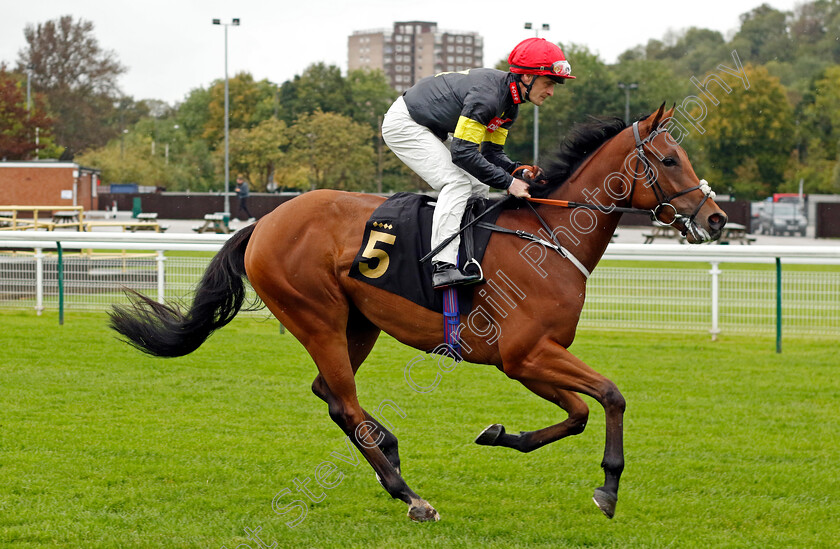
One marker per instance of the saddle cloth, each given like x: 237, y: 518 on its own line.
x: 399, y: 233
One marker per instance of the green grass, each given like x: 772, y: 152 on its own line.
x: 727, y: 445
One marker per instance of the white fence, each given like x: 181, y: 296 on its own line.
x: 729, y: 289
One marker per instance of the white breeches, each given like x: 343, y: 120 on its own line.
x: 430, y: 158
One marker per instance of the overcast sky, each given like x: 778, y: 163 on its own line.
x: 171, y: 47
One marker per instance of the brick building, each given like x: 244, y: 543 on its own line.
x: 48, y: 183
x: 413, y: 50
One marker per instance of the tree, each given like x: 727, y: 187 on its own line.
x: 335, y: 150
x: 155, y: 152
x: 764, y: 36
x: 194, y: 113
x: 821, y: 109
x: 258, y: 151
x: 819, y: 134
x: 19, y: 125
x: 128, y: 160
x: 754, y: 125
x: 657, y: 83
x: 77, y: 76
x: 370, y: 96
x: 815, y: 28
x: 249, y: 103
x: 689, y: 52
x: 320, y: 87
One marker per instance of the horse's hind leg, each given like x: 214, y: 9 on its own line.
x: 549, y: 365
x: 332, y: 354
x: 387, y: 442
x: 314, y: 308
x: 361, y: 337
x: 345, y: 411
x: 527, y: 441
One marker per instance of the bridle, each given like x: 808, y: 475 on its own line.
x: 662, y: 199
x: 651, y: 181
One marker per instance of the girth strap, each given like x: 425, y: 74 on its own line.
x: 534, y: 238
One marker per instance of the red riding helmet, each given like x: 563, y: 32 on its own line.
x: 540, y: 57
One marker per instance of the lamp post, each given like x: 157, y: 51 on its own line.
x: 121, y: 104
x: 545, y: 27
x: 627, y: 88
x: 234, y: 22
x: 166, y: 154
x: 29, y: 67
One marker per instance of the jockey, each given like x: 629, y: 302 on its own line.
x: 450, y: 129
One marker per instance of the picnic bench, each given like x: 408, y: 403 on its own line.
x: 66, y: 219
x: 127, y: 225
x: 148, y: 222
x: 735, y: 233
x: 663, y: 231
x: 143, y: 222
x: 218, y: 223
x: 58, y: 216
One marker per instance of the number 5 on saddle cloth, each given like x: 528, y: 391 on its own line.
x: 398, y: 235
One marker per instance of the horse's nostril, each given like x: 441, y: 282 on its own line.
x: 717, y: 221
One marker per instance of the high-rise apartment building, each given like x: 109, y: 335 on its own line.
x: 412, y: 50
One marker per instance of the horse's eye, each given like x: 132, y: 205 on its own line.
x: 669, y: 161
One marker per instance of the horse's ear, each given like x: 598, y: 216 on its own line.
x: 669, y: 114
x: 658, y: 116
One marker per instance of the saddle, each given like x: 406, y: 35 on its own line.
x: 398, y: 235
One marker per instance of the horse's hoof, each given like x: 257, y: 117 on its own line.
x: 605, y: 502
x: 423, y: 512
x: 490, y: 435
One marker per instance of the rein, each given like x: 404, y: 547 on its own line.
x: 600, y: 208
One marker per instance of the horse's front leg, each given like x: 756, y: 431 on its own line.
x: 550, y: 365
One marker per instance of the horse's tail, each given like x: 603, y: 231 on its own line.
x: 166, y: 331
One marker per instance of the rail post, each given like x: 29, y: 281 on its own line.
x: 161, y: 276
x: 39, y: 281
x: 60, y: 276
x: 778, y: 305
x: 715, y: 272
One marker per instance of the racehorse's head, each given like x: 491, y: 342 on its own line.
x: 669, y: 185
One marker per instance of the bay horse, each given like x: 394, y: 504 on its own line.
x: 297, y: 259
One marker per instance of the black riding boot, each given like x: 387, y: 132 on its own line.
x: 447, y: 274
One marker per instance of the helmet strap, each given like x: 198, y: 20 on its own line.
x: 528, y: 86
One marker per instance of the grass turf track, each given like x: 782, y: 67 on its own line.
x: 727, y: 445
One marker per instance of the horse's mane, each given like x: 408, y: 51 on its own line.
x: 583, y: 140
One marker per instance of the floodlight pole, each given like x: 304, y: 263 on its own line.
x: 545, y: 27
x: 235, y: 23
x: 29, y: 68
x: 627, y: 88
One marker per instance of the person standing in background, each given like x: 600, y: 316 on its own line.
x: 242, y: 192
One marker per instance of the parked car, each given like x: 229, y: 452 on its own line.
x: 778, y: 218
